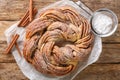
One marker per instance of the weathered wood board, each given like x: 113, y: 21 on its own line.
x: 106, y: 68
x: 18, y: 7
x: 10, y: 71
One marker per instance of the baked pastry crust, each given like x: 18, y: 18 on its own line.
x: 57, y: 41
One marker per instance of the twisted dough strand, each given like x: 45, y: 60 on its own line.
x: 57, y: 41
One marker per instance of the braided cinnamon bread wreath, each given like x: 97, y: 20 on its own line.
x: 57, y: 41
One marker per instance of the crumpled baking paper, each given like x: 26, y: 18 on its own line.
x: 29, y: 71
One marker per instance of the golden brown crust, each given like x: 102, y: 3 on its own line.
x: 58, y: 40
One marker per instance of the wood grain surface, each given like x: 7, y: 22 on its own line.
x: 10, y: 71
x: 106, y: 68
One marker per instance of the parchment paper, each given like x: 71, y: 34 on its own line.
x: 28, y: 70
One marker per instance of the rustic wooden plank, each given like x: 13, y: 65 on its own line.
x: 110, y: 54
x: 14, y: 9
x: 100, y: 72
x: 3, y: 26
x: 10, y: 71
x: 93, y: 72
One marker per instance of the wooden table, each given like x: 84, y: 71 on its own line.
x: 106, y: 68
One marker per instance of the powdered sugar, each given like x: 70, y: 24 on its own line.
x: 102, y: 23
